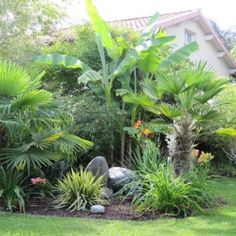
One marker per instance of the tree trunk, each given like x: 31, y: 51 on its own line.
x: 180, y: 145
x: 122, y: 147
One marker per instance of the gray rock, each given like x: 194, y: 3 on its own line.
x: 97, y: 209
x: 99, y: 167
x: 118, y: 176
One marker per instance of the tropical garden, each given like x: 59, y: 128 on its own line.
x: 113, y: 124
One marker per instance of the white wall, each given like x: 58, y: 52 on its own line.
x: 207, y: 51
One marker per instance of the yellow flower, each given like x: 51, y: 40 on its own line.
x: 146, y: 131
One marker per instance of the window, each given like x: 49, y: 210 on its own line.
x: 189, y: 37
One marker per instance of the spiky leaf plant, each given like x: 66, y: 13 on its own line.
x: 11, y: 190
x: 78, y: 190
x: 159, y: 192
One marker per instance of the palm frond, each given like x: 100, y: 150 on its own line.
x: 30, y: 159
x: 13, y: 79
x: 33, y: 99
x: 139, y: 99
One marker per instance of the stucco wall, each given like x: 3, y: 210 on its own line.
x: 207, y: 51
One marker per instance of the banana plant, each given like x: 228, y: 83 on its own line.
x: 149, y: 55
x: 191, y: 92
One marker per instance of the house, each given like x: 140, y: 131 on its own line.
x: 190, y: 26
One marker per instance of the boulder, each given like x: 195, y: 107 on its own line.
x: 97, y: 209
x: 118, y: 176
x: 99, y: 167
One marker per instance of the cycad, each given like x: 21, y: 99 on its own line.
x: 190, y: 92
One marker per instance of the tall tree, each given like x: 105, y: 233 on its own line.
x: 228, y: 36
x: 21, y: 21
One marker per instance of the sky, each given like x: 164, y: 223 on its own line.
x: 221, y: 11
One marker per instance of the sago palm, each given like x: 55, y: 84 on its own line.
x: 180, y: 98
x: 32, y: 132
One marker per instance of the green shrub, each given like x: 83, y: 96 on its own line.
x: 146, y: 159
x: 216, y: 144
x: 95, y: 123
x: 160, y: 193
x: 11, y: 190
x: 78, y: 190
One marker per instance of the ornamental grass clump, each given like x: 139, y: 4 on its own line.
x: 79, y: 190
x: 160, y: 193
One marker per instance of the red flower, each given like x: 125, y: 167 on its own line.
x: 38, y: 180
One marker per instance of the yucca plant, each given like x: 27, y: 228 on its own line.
x: 33, y: 133
x: 12, y: 190
x: 79, y: 190
x: 181, y: 99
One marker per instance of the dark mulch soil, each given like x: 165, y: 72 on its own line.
x: 115, y: 210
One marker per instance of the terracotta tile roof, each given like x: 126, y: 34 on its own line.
x: 136, y: 24
x: 139, y: 23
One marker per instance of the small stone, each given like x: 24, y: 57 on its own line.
x: 97, y: 209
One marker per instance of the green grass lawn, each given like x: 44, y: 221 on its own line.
x: 219, y: 221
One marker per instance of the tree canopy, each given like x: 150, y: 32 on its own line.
x: 21, y: 21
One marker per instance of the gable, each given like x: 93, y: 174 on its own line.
x: 207, y: 52
x: 211, y: 47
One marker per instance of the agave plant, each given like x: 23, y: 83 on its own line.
x: 180, y: 98
x: 32, y: 133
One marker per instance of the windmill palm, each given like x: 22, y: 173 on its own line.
x: 32, y: 133
x: 189, y: 92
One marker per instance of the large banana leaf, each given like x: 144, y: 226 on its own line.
x: 178, y: 56
x: 102, y: 30
x: 61, y: 60
x: 149, y: 53
x: 89, y: 76
x: 230, y: 132
x: 150, y: 27
x: 127, y: 63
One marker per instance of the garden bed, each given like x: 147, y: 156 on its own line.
x: 115, y: 210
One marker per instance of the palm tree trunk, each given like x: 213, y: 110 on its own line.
x: 180, y: 145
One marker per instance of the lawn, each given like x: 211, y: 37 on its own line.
x: 220, y: 221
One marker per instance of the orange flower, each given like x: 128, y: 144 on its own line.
x: 195, y: 153
x: 205, y: 157
x: 137, y: 124
x: 146, y: 131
